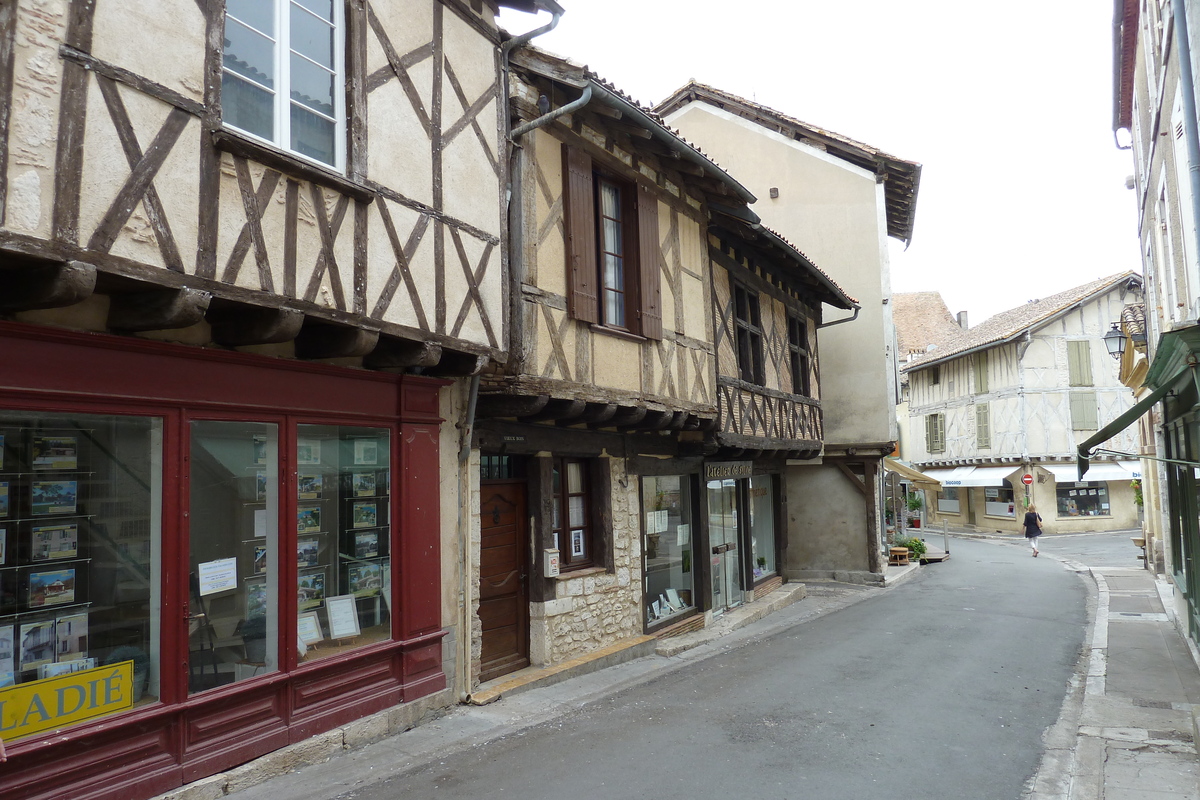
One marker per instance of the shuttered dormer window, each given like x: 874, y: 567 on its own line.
x: 612, y: 249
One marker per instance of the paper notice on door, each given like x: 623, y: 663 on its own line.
x: 218, y: 576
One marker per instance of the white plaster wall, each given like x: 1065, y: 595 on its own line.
x: 33, y: 120
x: 826, y: 522
x: 831, y: 211
x: 169, y: 45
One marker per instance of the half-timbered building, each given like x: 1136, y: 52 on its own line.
x: 248, y: 252
x: 1016, y: 395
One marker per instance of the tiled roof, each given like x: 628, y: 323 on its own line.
x: 1008, y: 324
x: 921, y: 319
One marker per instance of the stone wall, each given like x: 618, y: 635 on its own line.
x: 596, y: 608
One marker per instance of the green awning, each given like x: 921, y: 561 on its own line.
x: 1129, y: 417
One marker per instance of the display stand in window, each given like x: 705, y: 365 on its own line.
x: 667, y: 547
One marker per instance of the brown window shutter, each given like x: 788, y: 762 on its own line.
x: 582, y: 276
x: 649, y: 271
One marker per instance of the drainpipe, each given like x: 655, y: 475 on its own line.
x: 583, y: 100
x: 840, y: 321
x: 1191, y: 134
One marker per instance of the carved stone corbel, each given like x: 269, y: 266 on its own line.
x: 48, y: 286
x: 157, y: 309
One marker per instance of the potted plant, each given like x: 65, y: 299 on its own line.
x: 916, y: 547
x: 915, y: 502
x: 141, y: 666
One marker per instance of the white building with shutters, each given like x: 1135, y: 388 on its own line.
x: 1015, y: 395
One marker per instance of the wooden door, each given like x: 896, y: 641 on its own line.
x: 503, y: 596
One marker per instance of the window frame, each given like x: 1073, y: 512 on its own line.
x: 935, y: 432
x: 282, y: 101
x: 643, y: 250
x: 629, y: 264
x: 748, y: 334
x: 561, y: 498
x: 799, y: 356
x: 983, y: 426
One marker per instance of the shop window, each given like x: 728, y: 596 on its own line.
x: 343, y: 538
x: 1083, y: 499
x: 667, y: 547
x: 282, y: 77
x: 948, y: 500
x: 798, y: 351
x: 613, y: 249
x: 748, y: 319
x: 1079, y: 363
x: 935, y: 433
x: 762, y: 527
x: 998, y: 501
x: 574, y: 530
x: 80, y: 560
x: 983, y: 426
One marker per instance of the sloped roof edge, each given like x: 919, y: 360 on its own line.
x: 901, y: 177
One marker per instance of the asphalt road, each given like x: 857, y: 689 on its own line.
x: 938, y: 688
x: 1094, y: 549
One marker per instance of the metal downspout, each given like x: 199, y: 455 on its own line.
x: 840, y: 321
x: 583, y: 100
x: 1191, y: 134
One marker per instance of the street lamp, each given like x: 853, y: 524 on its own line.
x: 1114, y: 341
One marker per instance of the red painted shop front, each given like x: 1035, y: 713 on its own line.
x: 204, y: 556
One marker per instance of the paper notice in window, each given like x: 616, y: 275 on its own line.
x: 218, y: 576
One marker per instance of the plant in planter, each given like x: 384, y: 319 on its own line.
x: 141, y: 666
x: 916, y: 547
x: 915, y: 502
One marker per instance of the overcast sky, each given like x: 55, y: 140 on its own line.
x: 1008, y: 107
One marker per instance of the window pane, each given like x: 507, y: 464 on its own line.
x: 313, y: 136
x: 614, y: 308
x: 343, y: 537
x: 80, y: 552
x: 610, y: 201
x: 574, y: 477
x: 322, y: 8
x: 612, y: 237
x: 254, y: 13
x: 312, y: 37
x: 233, y: 617
x: 577, y: 517
x: 312, y: 86
x: 247, y: 107
x: 614, y: 273
x: 667, y: 546
x: 762, y: 526
x: 249, y: 54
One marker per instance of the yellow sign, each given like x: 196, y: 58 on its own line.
x: 29, y: 708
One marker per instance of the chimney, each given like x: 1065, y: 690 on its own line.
x: 962, y: 320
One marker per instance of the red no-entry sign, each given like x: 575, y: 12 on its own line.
x: 1027, y: 479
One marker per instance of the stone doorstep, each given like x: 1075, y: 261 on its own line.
x: 733, y: 619
x: 618, y: 653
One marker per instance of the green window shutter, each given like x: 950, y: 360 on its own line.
x: 941, y: 433
x: 981, y: 372
x: 1083, y: 411
x: 983, y: 426
x: 1079, y: 363
x: 929, y: 433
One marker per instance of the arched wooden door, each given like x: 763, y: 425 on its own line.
x: 503, y: 578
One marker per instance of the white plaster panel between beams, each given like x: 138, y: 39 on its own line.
x: 168, y: 47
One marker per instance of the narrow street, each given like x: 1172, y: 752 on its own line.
x: 940, y: 687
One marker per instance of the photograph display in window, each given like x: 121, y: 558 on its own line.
x: 78, y: 579
x: 1083, y: 499
x: 667, y: 546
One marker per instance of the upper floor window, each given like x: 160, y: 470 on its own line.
x: 1083, y: 411
x: 935, y: 433
x: 798, y: 350
x: 935, y: 375
x: 282, y: 78
x: 613, y: 250
x: 983, y: 426
x: 1079, y: 363
x: 748, y: 319
x: 980, y: 368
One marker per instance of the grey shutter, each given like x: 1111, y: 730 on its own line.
x: 1079, y: 363
x: 582, y: 276
x: 649, y: 271
x: 983, y: 426
x: 1083, y: 411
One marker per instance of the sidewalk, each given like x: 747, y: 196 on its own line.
x: 1128, y: 726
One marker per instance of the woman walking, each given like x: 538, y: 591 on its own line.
x: 1033, y: 527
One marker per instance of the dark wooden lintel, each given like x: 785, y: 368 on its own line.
x: 236, y: 324
x: 455, y: 364
x: 557, y: 409
x: 157, y: 309
x: 334, y: 341
x: 507, y: 405
x: 46, y: 286
x: 393, y: 353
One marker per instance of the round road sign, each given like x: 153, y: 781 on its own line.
x: 1027, y: 479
